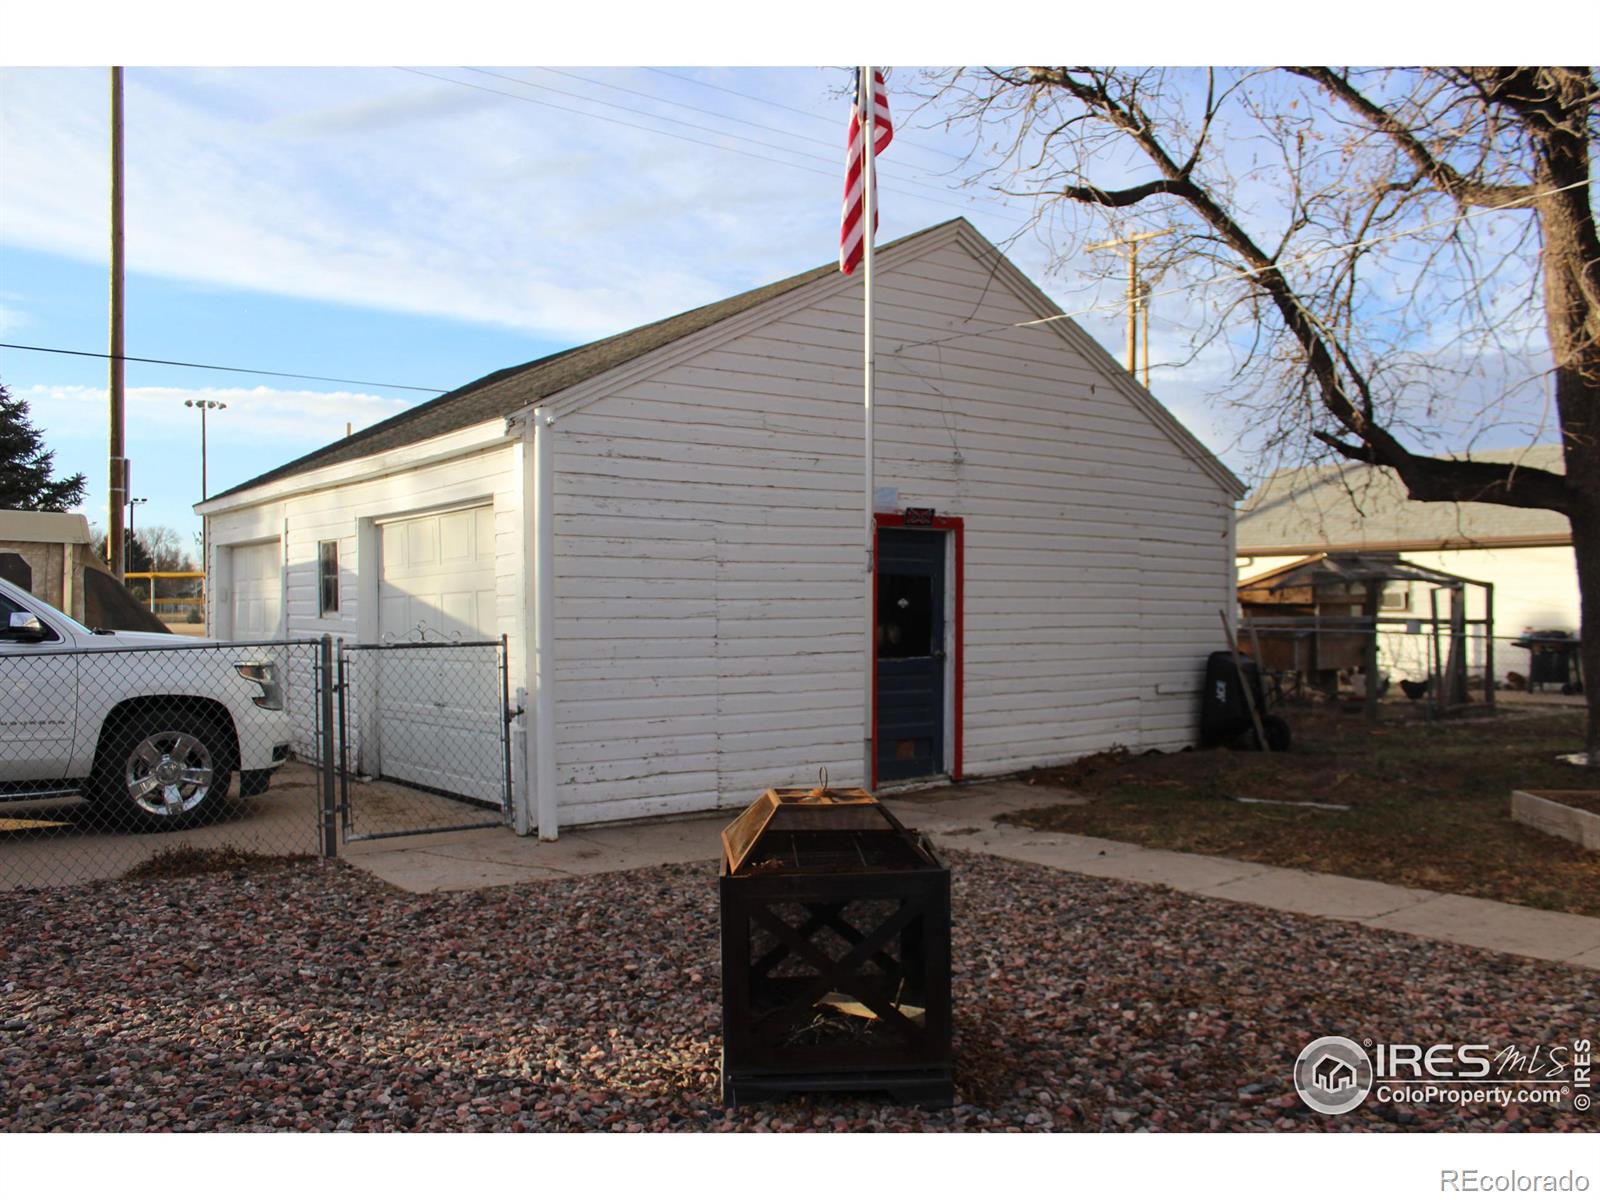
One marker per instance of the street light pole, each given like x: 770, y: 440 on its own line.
x: 203, y: 405
x: 127, y: 548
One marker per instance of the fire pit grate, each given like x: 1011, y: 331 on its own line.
x: 835, y: 951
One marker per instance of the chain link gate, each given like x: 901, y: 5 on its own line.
x: 423, y: 731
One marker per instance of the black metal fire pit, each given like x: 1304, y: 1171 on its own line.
x: 835, y: 951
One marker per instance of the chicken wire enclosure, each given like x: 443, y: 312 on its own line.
x: 835, y: 951
x: 117, y: 747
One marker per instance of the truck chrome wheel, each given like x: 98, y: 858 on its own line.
x: 169, y: 773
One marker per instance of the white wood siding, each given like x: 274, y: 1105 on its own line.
x: 708, y: 570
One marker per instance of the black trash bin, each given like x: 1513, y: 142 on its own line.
x: 1224, y: 713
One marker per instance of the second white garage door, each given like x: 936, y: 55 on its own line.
x: 439, y: 710
x: 257, y: 592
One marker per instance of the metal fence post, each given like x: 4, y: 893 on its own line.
x: 330, y: 839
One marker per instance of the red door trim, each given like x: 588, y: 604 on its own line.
x: 957, y: 528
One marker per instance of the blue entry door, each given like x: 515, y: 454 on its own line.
x: 911, y: 653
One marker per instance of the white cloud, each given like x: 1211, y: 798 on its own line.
x: 381, y: 189
x: 260, y: 429
x: 253, y: 415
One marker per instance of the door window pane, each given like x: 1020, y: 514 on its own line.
x: 905, y: 616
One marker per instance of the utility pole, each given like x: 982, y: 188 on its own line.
x: 1144, y: 311
x: 1137, y: 297
x: 118, y: 473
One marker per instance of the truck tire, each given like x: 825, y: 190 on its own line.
x: 165, y: 769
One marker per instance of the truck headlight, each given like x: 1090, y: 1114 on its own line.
x: 265, y: 676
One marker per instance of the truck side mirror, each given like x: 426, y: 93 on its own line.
x: 24, y: 627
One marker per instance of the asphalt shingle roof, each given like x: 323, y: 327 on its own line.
x: 1356, y: 505
x: 507, y: 391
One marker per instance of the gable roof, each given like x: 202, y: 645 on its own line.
x: 1357, y: 506
x: 511, y: 390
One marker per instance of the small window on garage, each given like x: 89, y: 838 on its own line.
x: 328, y: 578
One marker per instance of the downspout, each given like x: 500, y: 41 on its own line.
x: 523, y: 816
x: 539, y: 498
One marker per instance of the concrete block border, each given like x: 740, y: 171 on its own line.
x: 1544, y: 811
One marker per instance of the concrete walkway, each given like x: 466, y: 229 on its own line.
x: 964, y: 817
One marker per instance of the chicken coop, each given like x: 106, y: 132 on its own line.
x: 1351, y: 621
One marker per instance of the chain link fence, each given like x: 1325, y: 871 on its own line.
x: 136, y: 758
x: 108, y: 758
x: 423, y: 736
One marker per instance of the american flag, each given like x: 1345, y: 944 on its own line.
x: 852, y: 229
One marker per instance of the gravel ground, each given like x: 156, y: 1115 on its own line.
x: 311, y: 996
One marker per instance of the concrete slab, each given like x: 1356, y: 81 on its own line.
x: 967, y: 818
x: 1317, y: 894
x: 1185, y: 872
x: 430, y: 871
x: 1589, y: 959
x: 1495, y: 926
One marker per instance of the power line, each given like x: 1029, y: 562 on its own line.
x: 717, y: 87
x: 616, y: 87
x: 723, y: 116
x: 935, y: 192
x: 169, y: 362
x: 834, y: 171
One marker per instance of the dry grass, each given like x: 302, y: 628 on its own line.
x: 1428, y: 804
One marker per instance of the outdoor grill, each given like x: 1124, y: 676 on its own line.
x: 835, y: 951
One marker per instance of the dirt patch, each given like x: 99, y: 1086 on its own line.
x: 1422, y: 804
x: 183, y: 861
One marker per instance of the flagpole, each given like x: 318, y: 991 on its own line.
x: 868, y: 97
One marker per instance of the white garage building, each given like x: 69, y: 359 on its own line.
x: 666, y: 526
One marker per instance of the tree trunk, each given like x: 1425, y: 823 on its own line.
x: 1586, y: 549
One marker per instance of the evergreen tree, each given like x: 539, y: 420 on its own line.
x: 25, y: 464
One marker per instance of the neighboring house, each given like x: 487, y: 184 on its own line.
x: 1525, y: 553
x: 52, y: 555
x: 666, y: 524
x: 43, y: 552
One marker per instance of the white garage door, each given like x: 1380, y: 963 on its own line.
x: 436, y: 577
x: 439, y: 709
x: 257, y: 592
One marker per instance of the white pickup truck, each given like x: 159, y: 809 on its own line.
x: 149, y: 725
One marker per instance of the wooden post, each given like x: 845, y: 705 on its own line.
x: 117, y: 478
x: 1435, y: 657
x: 1133, y: 309
x: 1244, y: 683
x: 1488, y: 644
x: 1369, y: 662
x: 1456, y: 667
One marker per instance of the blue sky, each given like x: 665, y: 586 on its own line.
x: 381, y: 224
x: 371, y: 223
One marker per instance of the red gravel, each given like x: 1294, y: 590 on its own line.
x: 311, y: 996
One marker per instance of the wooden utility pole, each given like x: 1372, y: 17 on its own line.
x: 118, y: 474
x: 1137, y: 297
x: 1144, y: 311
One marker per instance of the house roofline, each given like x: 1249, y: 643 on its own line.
x: 1509, y: 541
x: 587, y: 391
